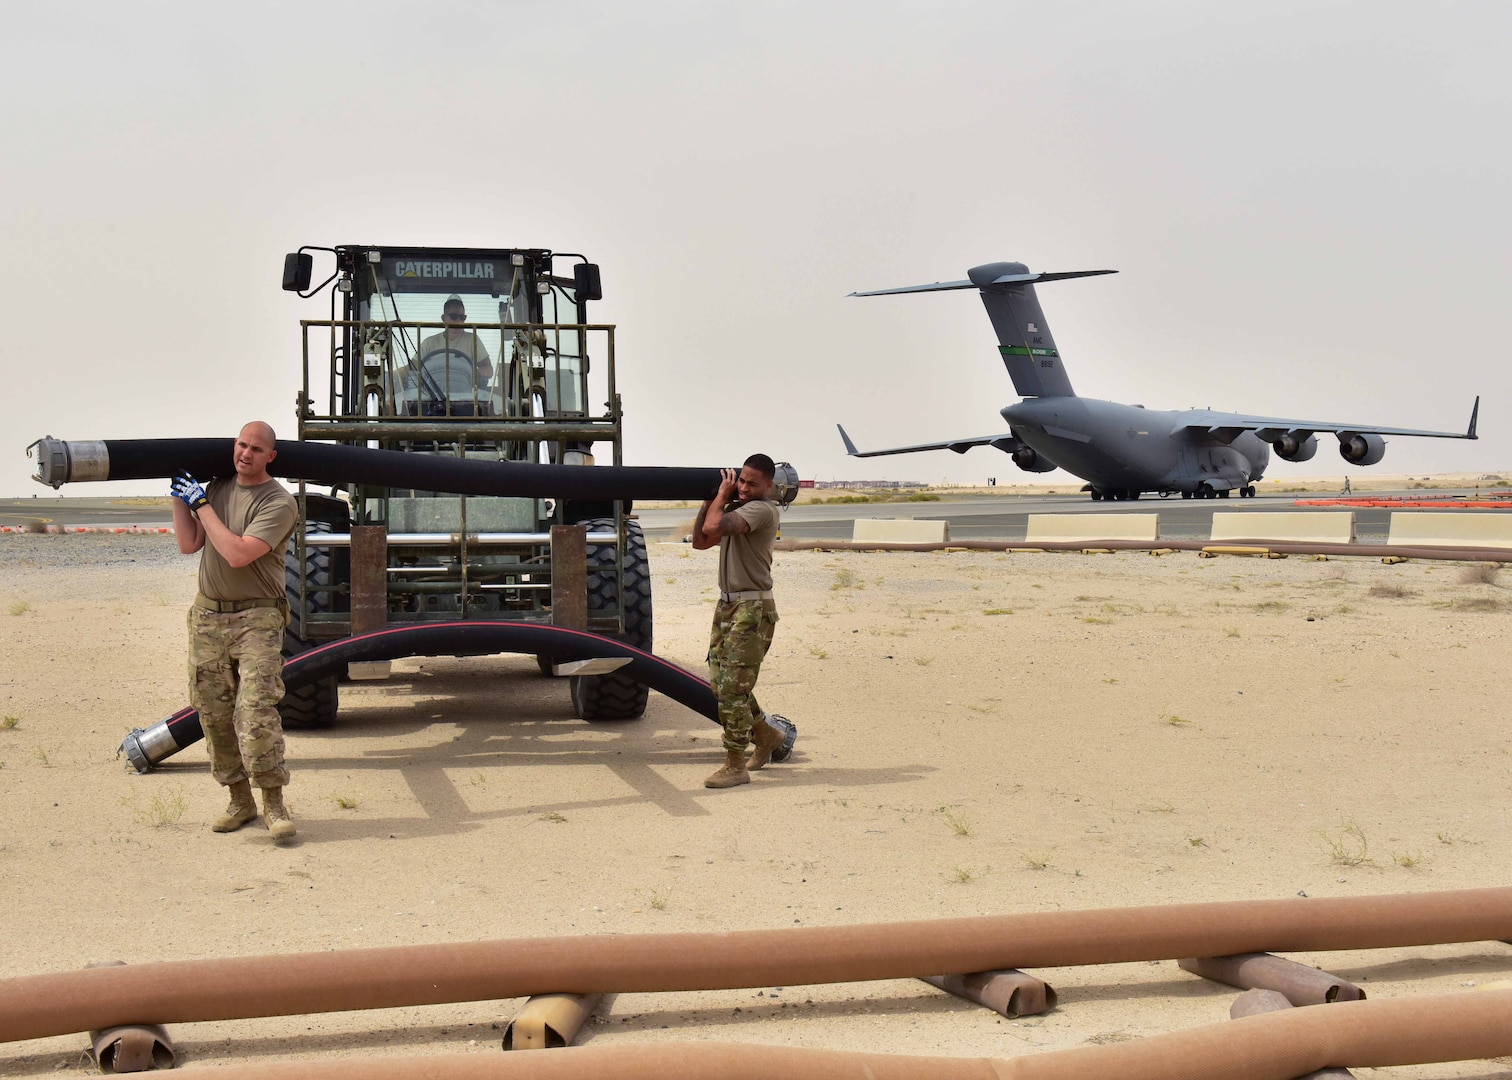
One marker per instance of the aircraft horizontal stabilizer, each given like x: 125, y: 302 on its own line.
x: 1001, y: 279
x: 1006, y: 443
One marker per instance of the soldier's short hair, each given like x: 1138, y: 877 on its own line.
x: 762, y: 464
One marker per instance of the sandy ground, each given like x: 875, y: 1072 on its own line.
x: 980, y: 734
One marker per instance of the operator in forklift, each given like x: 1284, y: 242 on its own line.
x: 453, y: 368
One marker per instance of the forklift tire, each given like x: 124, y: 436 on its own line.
x: 314, y: 704
x: 615, y: 696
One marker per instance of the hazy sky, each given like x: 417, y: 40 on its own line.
x: 1307, y: 204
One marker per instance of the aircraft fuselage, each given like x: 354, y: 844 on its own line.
x: 1129, y: 449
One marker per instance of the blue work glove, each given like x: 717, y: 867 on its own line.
x: 188, y: 491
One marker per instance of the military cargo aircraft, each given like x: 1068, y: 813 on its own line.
x: 1122, y: 451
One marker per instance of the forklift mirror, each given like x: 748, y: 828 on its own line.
x: 297, y: 268
x: 585, y: 282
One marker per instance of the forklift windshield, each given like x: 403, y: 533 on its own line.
x: 449, y: 340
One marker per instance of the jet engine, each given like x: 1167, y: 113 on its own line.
x: 1362, y: 449
x: 1291, y: 448
x: 1025, y: 458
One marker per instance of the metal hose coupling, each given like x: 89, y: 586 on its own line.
x: 145, y: 747
x: 789, y: 735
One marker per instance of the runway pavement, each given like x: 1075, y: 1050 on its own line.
x: 971, y: 517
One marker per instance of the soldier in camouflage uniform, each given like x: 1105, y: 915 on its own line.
x: 745, y: 616
x: 236, y: 625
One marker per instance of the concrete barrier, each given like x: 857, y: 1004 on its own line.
x: 1454, y: 529
x: 1144, y: 527
x: 900, y: 531
x: 1298, y: 526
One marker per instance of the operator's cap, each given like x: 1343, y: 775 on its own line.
x: 453, y: 298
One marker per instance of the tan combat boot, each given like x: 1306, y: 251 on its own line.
x: 276, y: 814
x: 765, y: 739
x: 241, y: 810
x: 733, y: 774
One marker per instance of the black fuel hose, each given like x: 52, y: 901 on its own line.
x: 145, y: 747
x: 61, y: 462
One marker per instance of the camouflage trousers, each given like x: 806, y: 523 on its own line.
x: 738, y: 642
x: 236, y: 683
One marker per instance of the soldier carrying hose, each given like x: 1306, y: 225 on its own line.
x: 236, y: 624
x: 746, y: 614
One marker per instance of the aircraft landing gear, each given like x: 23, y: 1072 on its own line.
x: 1186, y: 494
x: 1097, y: 496
x: 1224, y: 493
x: 1247, y: 491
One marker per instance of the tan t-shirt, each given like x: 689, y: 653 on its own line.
x: 465, y: 342
x: 745, y: 559
x: 265, y: 511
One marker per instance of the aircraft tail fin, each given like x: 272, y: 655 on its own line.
x: 1024, y: 340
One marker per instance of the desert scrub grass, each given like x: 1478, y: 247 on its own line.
x: 957, y: 822
x: 1348, y: 847
x: 553, y: 817
x: 41, y: 755
x: 19, y: 607
x: 346, y: 802
x: 817, y: 653
x: 1390, y: 590
x: 1270, y: 605
x: 1096, y: 621
x: 997, y: 611
x: 1481, y: 604
x: 1172, y: 720
x: 923, y: 661
x: 845, y: 578
x: 35, y: 525
x: 658, y: 898
x: 1484, y: 573
x: 1407, y: 860
x: 10, y: 722
x: 1038, y: 860
x: 965, y: 875
x: 164, y: 809
x: 1230, y: 631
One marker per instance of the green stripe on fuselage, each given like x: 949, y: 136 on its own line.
x: 1020, y: 350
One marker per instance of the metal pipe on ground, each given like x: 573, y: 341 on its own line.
x: 1274, y: 1046
x: 183, y: 991
x: 1255, y: 1002
x: 1298, y: 983
x: 1008, y: 993
x: 129, y: 1048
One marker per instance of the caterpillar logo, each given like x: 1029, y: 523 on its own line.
x: 416, y: 268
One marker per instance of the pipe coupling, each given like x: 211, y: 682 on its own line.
x: 145, y: 747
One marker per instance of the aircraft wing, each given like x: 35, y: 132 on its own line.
x: 1004, y: 441
x: 1226, y: 425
